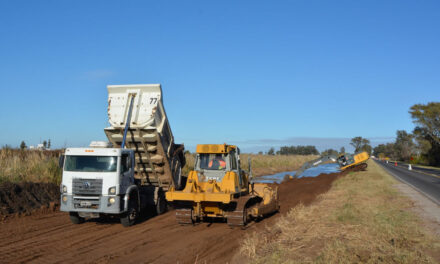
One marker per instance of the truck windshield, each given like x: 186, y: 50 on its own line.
x: 212, y: 161
x: 91, y: 163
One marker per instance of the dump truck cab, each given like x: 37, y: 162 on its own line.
x: 97, y: 182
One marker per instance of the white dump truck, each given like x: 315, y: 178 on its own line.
x: 133, y: 174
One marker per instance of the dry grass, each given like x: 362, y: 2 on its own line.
x: 189, y: 166
x: 362, y: 219
x: 42, y: 166
x: 29, y: 165
x: 262, y: 164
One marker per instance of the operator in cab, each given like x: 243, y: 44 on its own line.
x: 217, y: 163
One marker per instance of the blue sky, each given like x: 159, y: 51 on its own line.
x: 254, y: 73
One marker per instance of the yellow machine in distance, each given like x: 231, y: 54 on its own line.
x: 219, y: 188
x: 345, y: 161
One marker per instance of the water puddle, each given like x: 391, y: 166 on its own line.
x: 312, y: 172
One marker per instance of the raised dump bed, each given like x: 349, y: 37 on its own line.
x: 159, y: 161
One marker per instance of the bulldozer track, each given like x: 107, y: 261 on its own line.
x: 239, y: 216
x: 184, y: 216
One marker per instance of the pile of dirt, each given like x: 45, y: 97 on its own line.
x: 304, y: 190
x: 24, y: 198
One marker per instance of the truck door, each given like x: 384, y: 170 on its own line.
x: 126, y: 170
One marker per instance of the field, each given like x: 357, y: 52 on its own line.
x: 30, y: 179
x: 29, y: 166
x: 363, y: 218
x: 18, y: 166
x: 262, y: 164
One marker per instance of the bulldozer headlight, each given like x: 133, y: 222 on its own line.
x: 112, y: 190
x: 111, y: 200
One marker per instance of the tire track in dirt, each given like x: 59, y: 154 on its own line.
x: 51, y: 238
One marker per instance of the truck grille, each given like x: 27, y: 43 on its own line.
x: 87, y: 186
x: 85, y: 203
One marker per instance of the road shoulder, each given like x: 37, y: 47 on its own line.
x: 425, y: 208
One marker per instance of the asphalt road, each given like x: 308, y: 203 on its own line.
x: 435, y: 172
x: 426, y: 181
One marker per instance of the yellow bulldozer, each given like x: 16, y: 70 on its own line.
x: 218, y: 188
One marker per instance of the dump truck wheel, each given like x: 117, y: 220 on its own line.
x: 129, y: 218
x: 177, y: 173
x: 161, y: 203
x: 75, y: 218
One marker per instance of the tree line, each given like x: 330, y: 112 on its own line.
x: 293, y: 150
x: 302, y: 150
x: 359, y: 144
x: 422, y: 145
x: 46, y: 145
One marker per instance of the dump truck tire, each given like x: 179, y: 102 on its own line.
x: 161, y: 203
x: 75, y: 218
x: 176, y: 170
x: 129, y: 218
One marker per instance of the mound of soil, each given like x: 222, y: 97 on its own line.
x: 303, y: 190
x: 26, y: 197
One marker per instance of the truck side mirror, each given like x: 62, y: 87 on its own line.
x: 61, y: 161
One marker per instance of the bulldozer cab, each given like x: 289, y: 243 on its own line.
x: 214, y: 161
x: 346, y: 159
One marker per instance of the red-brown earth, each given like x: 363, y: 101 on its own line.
x: 48, y: 237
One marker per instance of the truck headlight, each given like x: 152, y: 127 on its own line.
x: 64, y: 188
x: 64, y: 198
x: 112, y: 190
x: 111, y: 200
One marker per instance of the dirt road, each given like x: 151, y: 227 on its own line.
x: 50, y: 237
